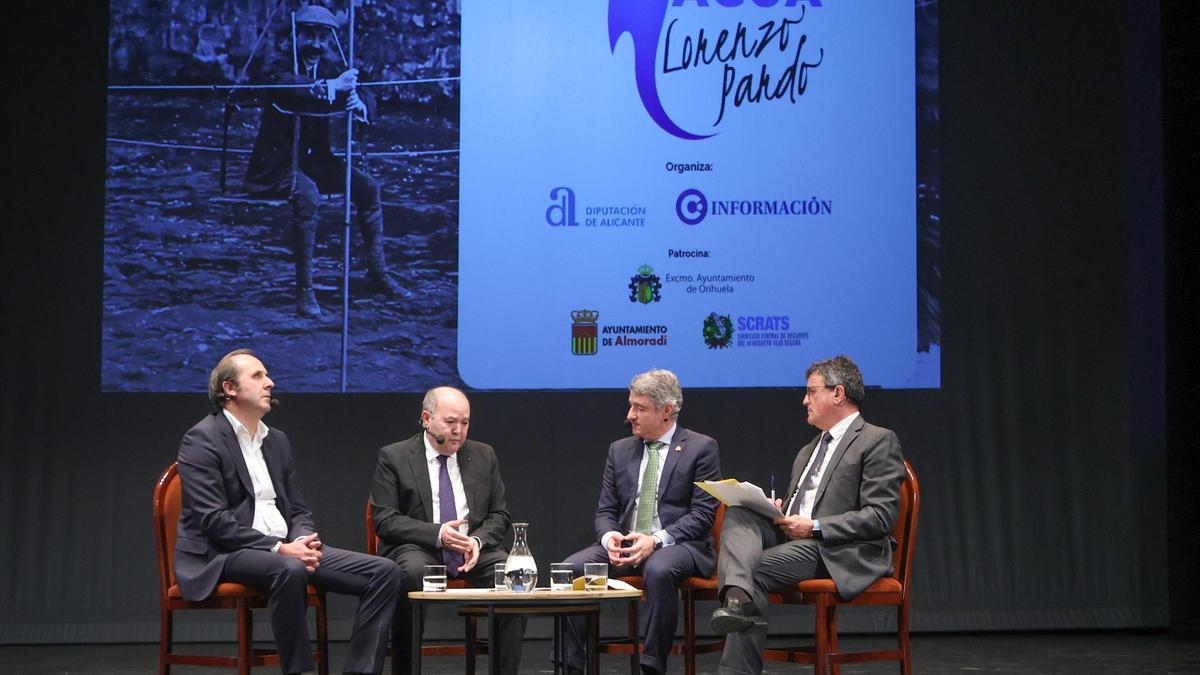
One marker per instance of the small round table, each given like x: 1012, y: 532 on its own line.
x: 539, y: 602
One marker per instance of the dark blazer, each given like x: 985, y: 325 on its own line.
x: 402, y: 502
x: 218, y: 502
x: 856, y: 502
x: 685, y: 511
x: 271, y: 160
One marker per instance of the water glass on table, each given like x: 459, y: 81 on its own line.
x: 434, y: 579
x: 595, y: 576
x: 498, y: 578
x: 560, y: 576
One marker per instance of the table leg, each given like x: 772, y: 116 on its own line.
x: 636, y: 667
x: 559, y: 666
x: 417, y: 619
x: 493, y: 642
x: 593, y: 643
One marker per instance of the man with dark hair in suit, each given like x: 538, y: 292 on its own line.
x: 244, y: 520
x: 292, y: 156
x: 438, y: 498
x: 844, y: 493
x: 651, y: 519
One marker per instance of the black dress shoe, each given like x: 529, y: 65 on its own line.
x: 736, y: 617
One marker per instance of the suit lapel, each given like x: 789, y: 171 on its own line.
x: 802, y: 458
x: 235, y: 453
x: 420, y: 471
x: 466, y: 471
x: 678, y: 440
x: 274, y: 464
x: 843, y: 445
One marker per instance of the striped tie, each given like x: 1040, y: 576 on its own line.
x: 648, y: 496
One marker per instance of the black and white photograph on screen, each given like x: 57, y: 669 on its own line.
x: 226, y: 218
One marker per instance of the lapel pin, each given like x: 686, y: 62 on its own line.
x: 679, y: 448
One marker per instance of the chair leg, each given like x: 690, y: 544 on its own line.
x: 822, y: 635
x: 164, y: 640
x: 689, y: 633
x: 322, y: 637
x: 833, y: 640
x: 902, y: 633
x: 245, y: 629
x: 471, y: 633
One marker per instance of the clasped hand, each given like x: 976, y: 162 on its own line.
x: 454, y: 540
x: 630, y: 550
x: 306, y: 549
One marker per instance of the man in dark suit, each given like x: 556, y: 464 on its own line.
x: 438, y: 498
x: 244, y: 520
x: 292, y: 156
x: 844, y: 493
x: 652, y: 520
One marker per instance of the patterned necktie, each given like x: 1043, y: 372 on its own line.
x: 803, y: 486
x: 447, y: 512
x: 648, y: 495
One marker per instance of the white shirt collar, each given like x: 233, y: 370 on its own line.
x: 238, y: 428
x: 431, y: 453
x: 665, y: 439
x: 838, y: 430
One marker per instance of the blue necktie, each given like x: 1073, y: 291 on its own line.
x: 803, y: 486
x: 447, y: 512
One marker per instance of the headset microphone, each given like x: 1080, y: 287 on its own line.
x: 275, y: 403
x: 437, y: 437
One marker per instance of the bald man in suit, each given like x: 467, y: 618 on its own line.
x: 438, y: 498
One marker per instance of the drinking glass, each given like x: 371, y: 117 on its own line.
x: 595, y: 576
x: 498, y: 578
x: 560, y: 576
x: 435, y: 579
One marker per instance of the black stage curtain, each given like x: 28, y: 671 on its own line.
x: 1042, y: 457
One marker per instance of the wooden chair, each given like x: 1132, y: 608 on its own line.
x: 241, y: 599
x: 691, y: 590
x: 472, y: 645
x: 891, y: 590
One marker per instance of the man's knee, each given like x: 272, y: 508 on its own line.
x: 410, y: 575
x: 659, y: 574
x: 290, y: 573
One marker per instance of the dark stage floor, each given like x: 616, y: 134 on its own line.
x: 1091, y: 652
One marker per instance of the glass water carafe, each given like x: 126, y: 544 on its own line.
x: 520, y: 570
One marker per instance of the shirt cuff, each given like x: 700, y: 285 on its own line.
x: 275, y: 548
x: 664, y: 537
x: 607, y: 536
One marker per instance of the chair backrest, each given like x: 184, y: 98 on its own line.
x: 905, y: 529
x: 168, y: 502
x: 372, y: 538
x: 718, y: 521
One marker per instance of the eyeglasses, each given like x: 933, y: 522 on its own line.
x: 812, y: 391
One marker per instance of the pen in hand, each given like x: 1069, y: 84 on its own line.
x: 772, y: 487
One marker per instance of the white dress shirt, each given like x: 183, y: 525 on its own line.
x: 657, y: 530
x: 460, y: 494
x: 809, y: 496
x: 267, y: 518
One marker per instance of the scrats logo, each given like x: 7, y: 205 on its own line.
x: 643, y: 20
